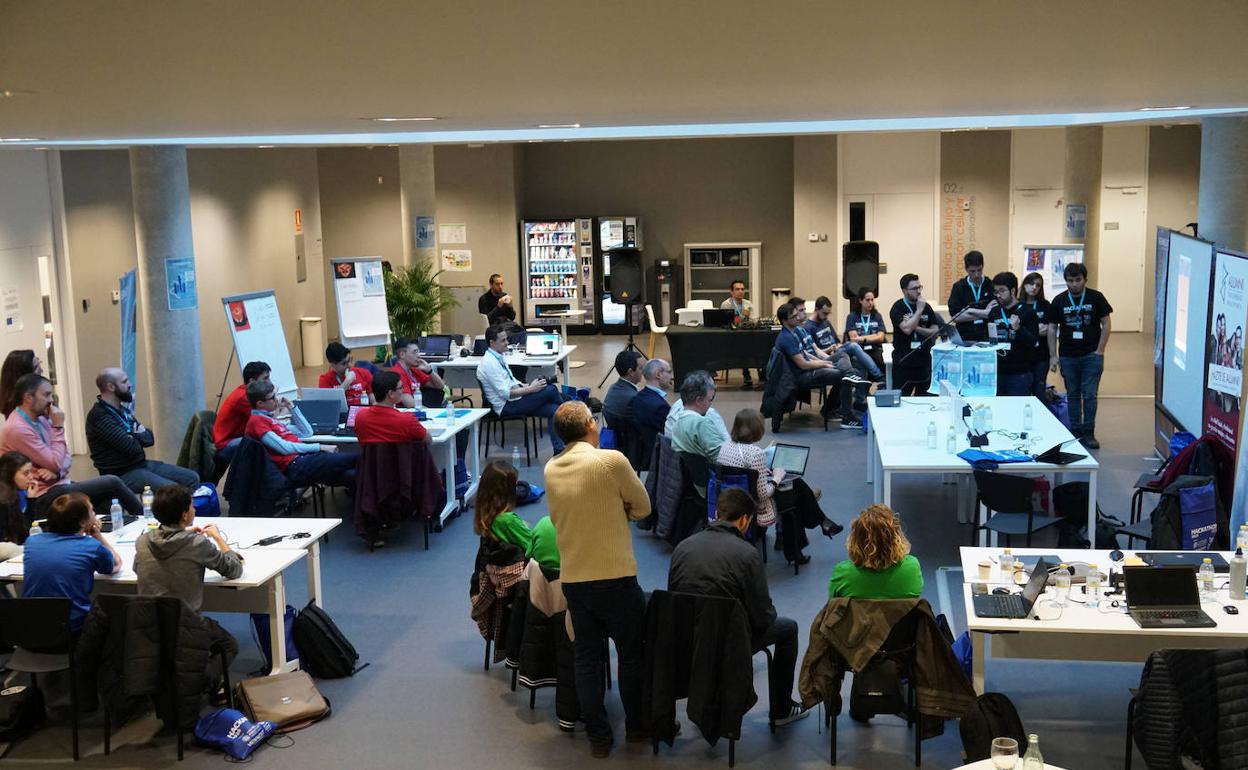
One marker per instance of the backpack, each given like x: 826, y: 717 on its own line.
x: 324, y: 651
x: 992, y: 716
x: 1070, y: 501
x: 205, y: 499
x: 21, y: 712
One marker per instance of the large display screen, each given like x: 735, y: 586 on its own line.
x: 1188, y: 272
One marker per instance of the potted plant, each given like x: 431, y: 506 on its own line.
x: 415, y: 299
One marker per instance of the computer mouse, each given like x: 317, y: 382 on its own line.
x: 1115, y: 555
x: 1001, y: 591
x: 1230, y: 609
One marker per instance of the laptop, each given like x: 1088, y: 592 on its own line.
x: 717, y: 319
x: 436, y: 348
x: 337, y: 395
x: 1015, y: 606
x: 479, y: 346
x: 321, y: 414
x: 790, y: 457
x: 543, y: 345
x: 1055, y: 456
x: 1190, y: 559
x: 1164, y: 597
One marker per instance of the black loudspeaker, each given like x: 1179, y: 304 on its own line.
x: 860, y: 267
x: 627, y: 279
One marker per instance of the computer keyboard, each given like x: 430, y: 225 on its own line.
x: 1168, y: 614
x: 1003, y: 604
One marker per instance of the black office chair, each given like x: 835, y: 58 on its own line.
x: 493, y: 420
x: 39, y: 630
x: 1139, y: 528
x: 1007, y: 499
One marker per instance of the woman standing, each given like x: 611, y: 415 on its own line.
x: 1046, y: 344
x: 17, y: 364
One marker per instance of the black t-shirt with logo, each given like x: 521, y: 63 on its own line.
x: 963, y: 294
x: 1044, y: 315
x: 1079, y: 321
x: 1019, y: 357
x: 903, y: 343
x: 872, y: 323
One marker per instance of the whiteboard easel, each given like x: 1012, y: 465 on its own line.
x: 360, y: 295
x: 256, y: 327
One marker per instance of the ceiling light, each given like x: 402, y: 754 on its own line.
x: 265, y: 146
x: 1163, y: 109
x: 20, y: 139
x: 6, y: 93
x: 399, y: 120
x: 559, y: 125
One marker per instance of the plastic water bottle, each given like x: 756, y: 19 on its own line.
x: 35, y: 529
x: 1026, y: 416
x: 951, y: 441
x: 1092, y: 588
x: 1206, y: 579
x: 1062, y: 585
x: 987, y: 419
x: 1239, y: 574
x: 148, y: 497
x: 416, y: 397
x: 364, y: 398
x: 1007, y: 564
x: 1241, y: 539
x: 1032, y: 759
x: 116, y: 516
x: 515, y: 457
x: 931, y: 435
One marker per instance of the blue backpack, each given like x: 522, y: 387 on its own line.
x: 232, y: 732
x: 205, y: 499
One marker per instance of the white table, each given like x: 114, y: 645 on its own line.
x: 466, y: 367
x: 897, y: 442
x: 1077, y: 632
x: 563, y: 316
x: 986, y: 764
x: 442, y: 434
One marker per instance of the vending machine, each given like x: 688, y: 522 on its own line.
x: 615, y: 233
x: 558, y: 270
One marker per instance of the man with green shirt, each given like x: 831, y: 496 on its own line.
x: 695, y: 431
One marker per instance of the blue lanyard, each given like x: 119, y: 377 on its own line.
x: 34, y: 424
x: 1003, y: 317
x: 907, y: 304
x: 1070, y: 298
x: 738, y: 308
x: 976, y: 290
x: 125, y: 420
x: 865, y: 322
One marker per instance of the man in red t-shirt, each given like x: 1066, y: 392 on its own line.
x: 382, y: 423
x: 355, y: 381
x: 414, y: 372
x: 302, y: 463
x: 232, y: 416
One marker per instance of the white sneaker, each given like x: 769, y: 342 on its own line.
x: 796, y: 712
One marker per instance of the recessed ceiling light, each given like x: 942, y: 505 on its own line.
x: 558, y: 125
x: 265, y: 146
x: 20, y: 139
x: 399, y: 119
x: 1164, y: 109
x: 6, y: 93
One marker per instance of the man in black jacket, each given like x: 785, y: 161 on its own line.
x: 719, y: 562
x: 117, y: 439
x: 495, y: 304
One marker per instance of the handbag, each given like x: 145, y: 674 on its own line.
x: 289, y: 700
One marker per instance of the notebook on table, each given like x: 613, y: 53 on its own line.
x: 543, y: 345
x: 1014, y: 605
x: 717, y: 319
x: 1164, y: 597
x: 435, y: 348
x: 1192, y: 559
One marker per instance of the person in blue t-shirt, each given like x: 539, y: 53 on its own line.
x: 63, y: 560
x: 812, y: 369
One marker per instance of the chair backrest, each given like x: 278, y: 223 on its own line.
x: 700, y: 304
x: 654, y: 325
x: 37, y: 624
x: 697, y: 468
x: 1003, y: 492
x: 726, y: 472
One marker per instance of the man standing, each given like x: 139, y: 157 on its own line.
x: 810, y: 368
x: 507, y: 395
x: 849, y: 356
x: 355, y: 381
x: 303, y: 464
x: 1083, y: 321
x: 914, y: 323
x: 117, y: 439
x: 650, y: 407
x: 234, y: 411
x: 1014, y: 323
x: 967, y: 295
x: 696, y: 431
x: 382, y: 423
x: 622, y: 392
x: 414, y: 372
x: 495, y: 304
x: 593, y: 493
x: 742, y: 311
x: 719, y: 562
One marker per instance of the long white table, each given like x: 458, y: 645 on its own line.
x: 1078, y: 632
x: 442, y: 432
x: 897, y: 442
x: 462, y: 372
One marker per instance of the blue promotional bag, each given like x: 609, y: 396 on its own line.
x: 205, y: 499
x: 232, y: 732
x: 260, y: 631
x: 606, y: 438
x: 1199, y: 510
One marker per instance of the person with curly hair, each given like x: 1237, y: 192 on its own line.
x: 880, y: 565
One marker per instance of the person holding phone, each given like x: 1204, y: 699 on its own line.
x: 508, y: 396
x: 914, y: 323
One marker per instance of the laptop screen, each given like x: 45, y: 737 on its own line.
x: 352, y: 411
x: 1160, y: 586
x: 1035, y: 586
x: 717, y: 317
x: 791, y: 457
x: 435, y: 346
x: 542, y: 345
x: 320, y: 413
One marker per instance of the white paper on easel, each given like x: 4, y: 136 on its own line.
x: 256, y: 327
x: 360, y: 294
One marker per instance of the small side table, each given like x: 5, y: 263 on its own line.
x: 563, y: 316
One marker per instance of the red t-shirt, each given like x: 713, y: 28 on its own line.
x: 410, y: 381
x: 363, y: 383
x: 386, y: 425
x: 260, y: 424
x: 232, y: 417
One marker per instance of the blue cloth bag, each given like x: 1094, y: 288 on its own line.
x: 1198, y: 508
x: 232, y: 732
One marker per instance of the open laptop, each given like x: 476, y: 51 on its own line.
x: 336, y: 395
x: 435, y: 348
x: 1054, y: 455
x: 1189, y: 559
x: 713, y: 318
x: 1164, y: 597
x: 321, y: 414
x: 543, y: 345
x: 1014, y: 605
x: 792, y: 458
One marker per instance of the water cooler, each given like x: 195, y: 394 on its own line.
x: 666, y: 290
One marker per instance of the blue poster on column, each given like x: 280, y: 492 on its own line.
x: 180, y: 277
x: 129, y: 324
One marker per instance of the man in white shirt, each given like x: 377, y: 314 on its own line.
x: 742, y: 311
x: 508, y: 396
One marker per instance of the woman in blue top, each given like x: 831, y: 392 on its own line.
x: 15, y: 477
x: 866, y: 327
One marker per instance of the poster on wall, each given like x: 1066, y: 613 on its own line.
x: 454, y: 233
x: 424, y: 232
x: 1225, y: 355
x: 1050, y: 262
x: 129, y: 325
x: 180, y: 281
x: 457, y: 260
x: 1076, y: 220
x: 12, y: 310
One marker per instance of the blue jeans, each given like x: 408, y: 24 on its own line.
x: 1083, y: 379
x: 102, y: 490
x: 1014, y: 384
x: 335, y: 469
x: 603, y: 609
x: 542, y: 404
x: 156, y: 474
x: 862, y: 361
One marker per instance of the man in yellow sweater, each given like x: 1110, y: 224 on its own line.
x: 593, y: 493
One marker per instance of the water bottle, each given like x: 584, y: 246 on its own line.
x: 931, y: 435
x: 987, y: 419
x: 364, y: 398
x: 1062, y: 585
x: 977, y: 421
x: 1026, y: 416
x: 1092, y: 588
x: 419, y: 404
x: 951, y: 441
x: 148, y: 497
x: 515, y: 457
x: 1032, y: 759
x: 1206, y: 579
x: 116, y: 517
x: 35, y: 529
x: 1007, y: 564
x: 1239, y: 574
x: 1241, y: 539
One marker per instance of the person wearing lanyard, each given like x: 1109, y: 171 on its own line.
x: 866, y: 327
x: 967, y: 295
x: 1082, y: 317
x: 742, y: 310
x: 1015, y: 323
x: 849, y: 357
x: 1032, y: 296
x: 117, y: 440
x: 509, y: 397
x: 36, y: 428
x: 914, y: 322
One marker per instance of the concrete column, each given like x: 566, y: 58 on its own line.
x: 1223, y: 198
x: 417, y: 196
x: 162, y: 226
x: 1082, y: 184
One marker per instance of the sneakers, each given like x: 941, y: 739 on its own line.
x: 851, y: 423
x: 796, y: 712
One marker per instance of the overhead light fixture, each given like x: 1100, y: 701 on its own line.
x: 1165, y: 109
x: 265, y: 146
x: 558, y: 125
x: 20, y: 139
x: 6, y: 93
x: 399, y: 119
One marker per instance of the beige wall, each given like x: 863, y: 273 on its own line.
x: 974, y: 201
x: 1173, y: 184
x: 816, y: 265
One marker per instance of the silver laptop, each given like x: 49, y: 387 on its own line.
x: 791, y: 458
x: 543, y: 345
x: 337, y: 395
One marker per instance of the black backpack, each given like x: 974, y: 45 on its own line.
x: 324, y: 651
x: 992, y: 716
x: 21, y: 713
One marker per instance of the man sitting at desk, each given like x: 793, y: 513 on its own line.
x: 117, y: 439
x: 650, y: 407
x: 414, y: 372
x: 508, y: 396
x: 355, y: 381
x: 696, y: 430
x: 742, y: 311
x: 232, y: 416
x: 301, y: 463
x: 496, y: 304
x: 619, y: 398
x: 63, y: 560
x: 383, y: 423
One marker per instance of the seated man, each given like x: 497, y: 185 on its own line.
x: 36, y: 428
x: 719, y: 562
x: 742, y: 309
x: 232, y: 416
x: 414, y: 372
x: 650, y: 408
x: 355, y: 381
x: 624, y: 390
x: 382, y: 423
x: 495, y: 304
x: 508, y: 396
x: 117, y: 439
x: 696, y: 431
x: 678, y: 408
x: 810, y: 368
x: 849, y: 356
x: 301, y: 463
x: 62, y: 560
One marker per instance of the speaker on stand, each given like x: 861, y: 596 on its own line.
x: 627, y: 287
x: 860, y: 268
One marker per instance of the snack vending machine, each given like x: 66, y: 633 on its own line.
x: 557, y: 268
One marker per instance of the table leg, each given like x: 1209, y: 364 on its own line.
x: 1092, y: 508
x: 314, y: 573
x: 888, y: 488
x: 277, y: 627
x: 452, y: 503
x: 871, y: 452
x: 979, y: 649
x: 567, y: 370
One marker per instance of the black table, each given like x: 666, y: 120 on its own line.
x: 697, y: 347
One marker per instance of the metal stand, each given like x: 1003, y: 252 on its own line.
x: 630, y: 345
x: 224, y: 378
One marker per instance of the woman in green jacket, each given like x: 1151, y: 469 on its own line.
x: 879, y: 565
x: 495, y: 516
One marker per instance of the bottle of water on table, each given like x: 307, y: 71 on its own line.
x: 931, y: 435
x: 515, y: 457
x: 1239, y: 574
x: 951, y: 441
x: 1092, y: 588
x: 116, y: 517
x: 1032, y: 759
x: 149, y: 520
x: 1062, y: 585
x: 1027, y: 417
x: 1206, y: 579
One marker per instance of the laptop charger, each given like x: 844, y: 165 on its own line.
x: 887, y: 397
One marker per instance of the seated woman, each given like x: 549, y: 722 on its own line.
x: 879, y: 565
x: 15, y: 477
x: 742, y: 451
x: 542, y: 547
x: 496, y: 499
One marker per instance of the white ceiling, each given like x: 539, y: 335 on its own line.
x: 221, y: 68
